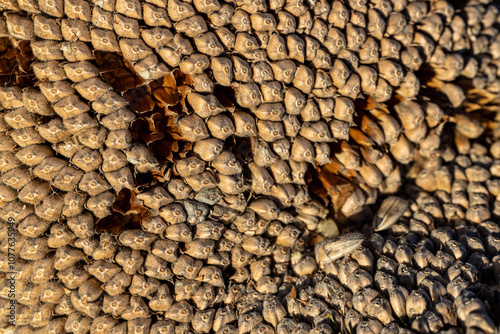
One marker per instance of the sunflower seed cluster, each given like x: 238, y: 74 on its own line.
x: 226, y: 244
x: 431, y: 266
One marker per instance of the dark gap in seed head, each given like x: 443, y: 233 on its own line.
x: 117, y: 71
x: 15, y: 63
x: 315, y: 185
x: 242, y: 149
x: 127, y: 214
x: 148, y: 179
x: 225, y: 95
x: 140, y: 99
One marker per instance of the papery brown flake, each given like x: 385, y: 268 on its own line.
x: 127, y: 214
